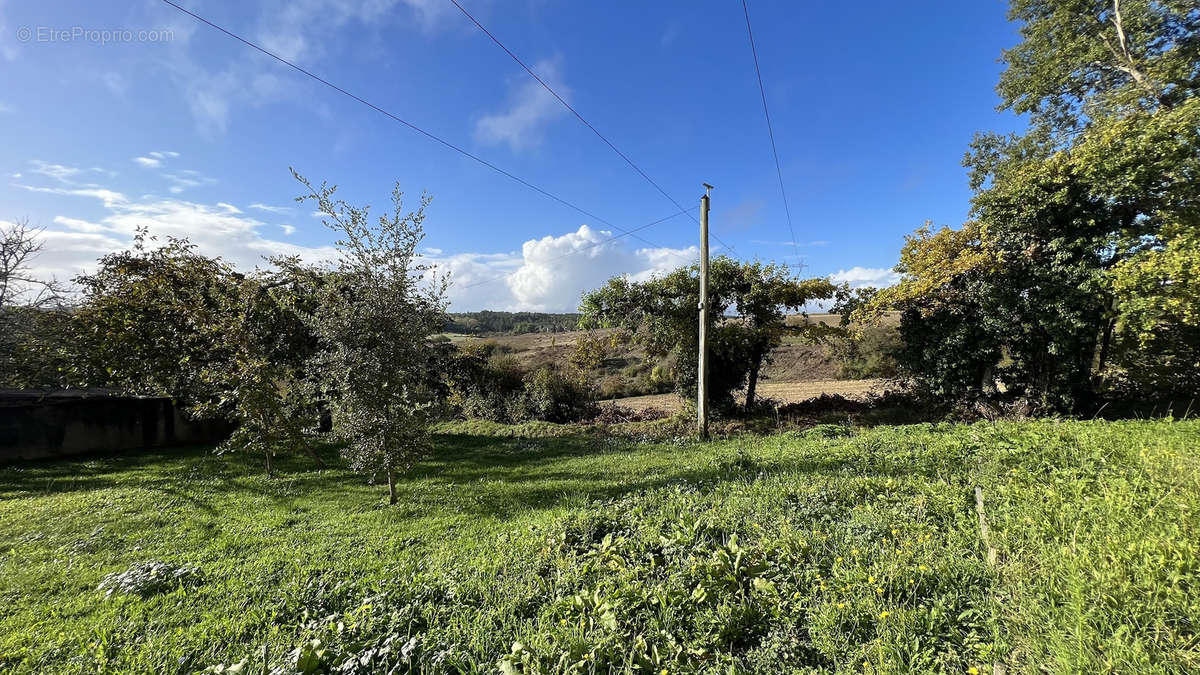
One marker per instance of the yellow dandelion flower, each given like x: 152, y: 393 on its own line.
x: 870, y: 580
x: 884, y: 614
x: 841, y: 605
x: 973, y: 670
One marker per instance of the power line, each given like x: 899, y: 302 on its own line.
x: 585, y: 248
x: 581, y: 118
x: 770, y: 131
x: 410, y: 125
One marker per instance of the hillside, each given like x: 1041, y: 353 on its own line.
x: 828, y: 550
x: 625, y: 371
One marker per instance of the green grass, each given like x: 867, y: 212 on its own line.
x: 802, y: 552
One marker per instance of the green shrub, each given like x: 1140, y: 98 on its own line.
x: 553, y: 396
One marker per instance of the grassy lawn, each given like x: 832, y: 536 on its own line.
x: 803, y: 552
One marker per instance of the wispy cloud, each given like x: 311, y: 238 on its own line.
x: 270, y: 209
x: 148, y: 162
x: 5, y: 108
x: 186, y: 180
x: 74, y: 244
x: 61, y: 173
x: 530, y: 108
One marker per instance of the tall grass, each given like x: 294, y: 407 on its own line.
x: 826, y: 551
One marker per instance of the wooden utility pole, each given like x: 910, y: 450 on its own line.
x: 702, y: 375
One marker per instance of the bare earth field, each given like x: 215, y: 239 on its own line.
x: 787, y: 392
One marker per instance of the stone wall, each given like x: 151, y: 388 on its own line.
x: 41, y: 425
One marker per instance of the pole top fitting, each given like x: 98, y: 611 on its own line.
x: 707, y: 188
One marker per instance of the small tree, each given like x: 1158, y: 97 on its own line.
x: 30, y: 324
x: 373, y: 319
x: 661, y: 314
x: 263, y: 387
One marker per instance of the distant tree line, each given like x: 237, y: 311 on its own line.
x: 487, y: 322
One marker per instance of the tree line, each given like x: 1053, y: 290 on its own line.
x: 1078, y: 278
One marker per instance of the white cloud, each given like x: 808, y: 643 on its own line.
x: 187, y: 179
x: 5, y: 108
x: 548, y: 274
x: 521, y: 124
x: 219, y: 229
x: 551, y: 273
x: 59, y: 172
x: 148, y: 162
x: 77, y: 224
x: 300, y: 29
x: 858, y: 277
x: 108, y: 197
x: 270, y: 209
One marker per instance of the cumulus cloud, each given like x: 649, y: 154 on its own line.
x: 522, y: 122
x: 148, y: 162
x: 551, y: 273
x: 859, y: 277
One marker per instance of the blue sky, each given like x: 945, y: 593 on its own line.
x: 191, y: 133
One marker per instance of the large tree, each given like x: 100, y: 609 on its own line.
x: 1103, y: 184
x: 747, y: 307
x: 146, y: 319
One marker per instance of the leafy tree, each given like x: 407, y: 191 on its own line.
x: 147, y: 316
x: 947, y: 347
x: 263, y: 386
x: 1107, y: 173
x: 1157, y: 293
x: 373, y: 319
x: 169, y: 321
x: 662, y: 315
